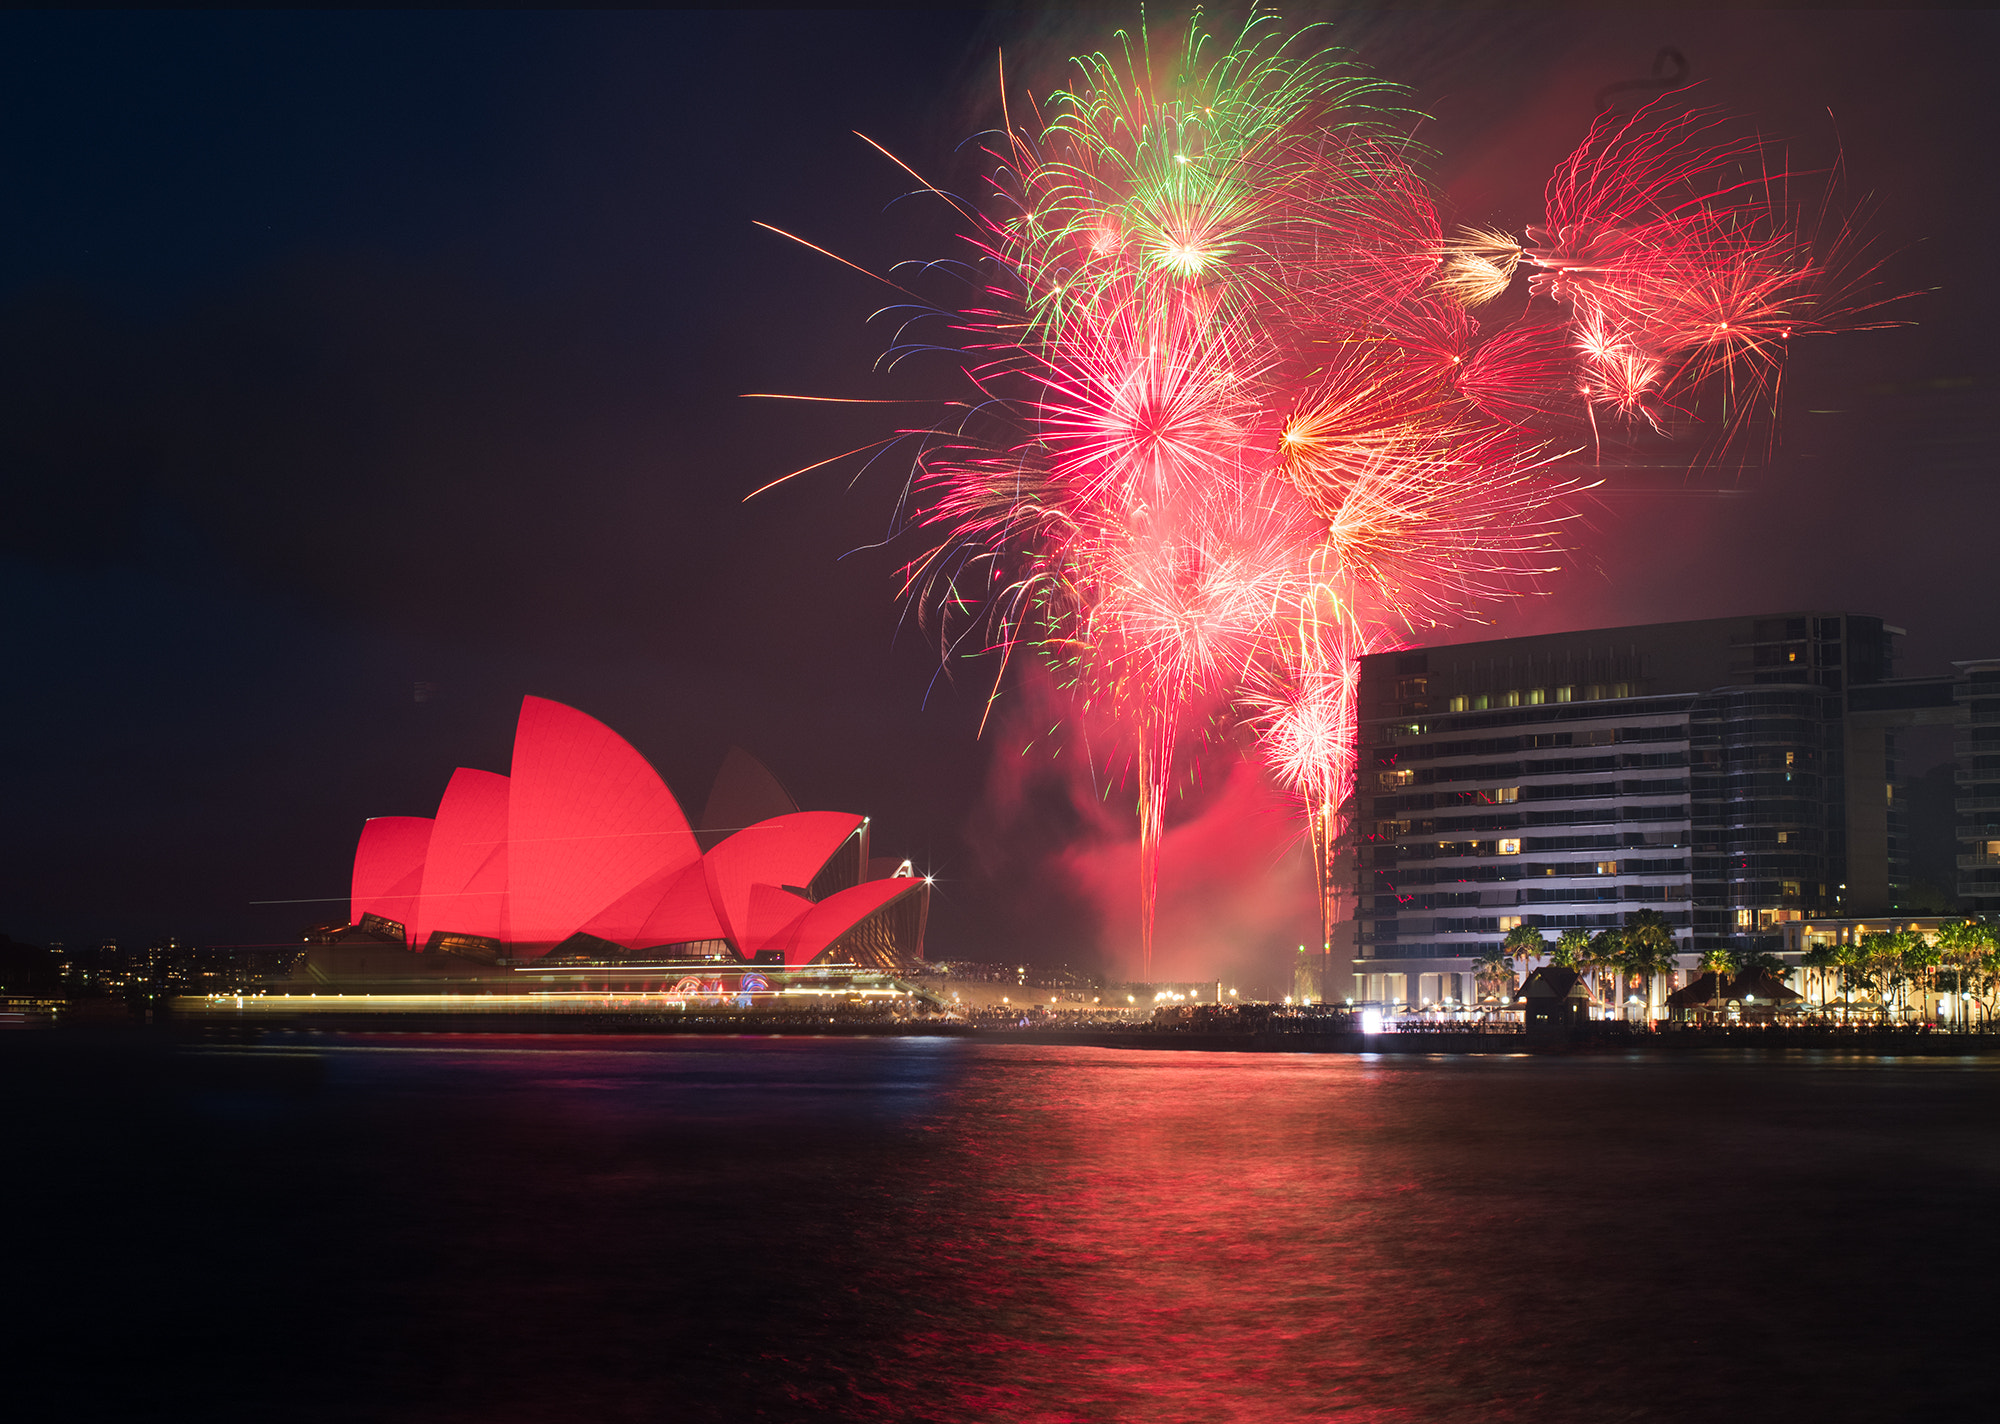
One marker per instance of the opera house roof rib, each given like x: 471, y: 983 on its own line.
x: 583, y: 848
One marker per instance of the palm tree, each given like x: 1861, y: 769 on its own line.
x: 1525, y: 942
x: 1648, y: 939
x: 1606, y: 954
x: 1717, y: 962
x: 1820, y: 959
x: 1493, y: 974
x: 1572, y: 951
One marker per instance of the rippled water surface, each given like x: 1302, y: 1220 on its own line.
x: 503, y: 1229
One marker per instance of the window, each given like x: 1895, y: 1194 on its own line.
x: 1398, y: 778
x: 1479, y: 702
x: 1789, y: 757
x: 1510, y: 699
x: 1991, y: 848
x: 1789, y: 889
x: 1784, y: 837
x: 1392, y: 828
x: 1510, y: 922
x: 1889, y: 794
x: 1607, y: 867
x: 1537, y: 696
x: 1458, y: 704
x: 1746, y: 919
x: 1501, y: 795
x: 1514, y: 847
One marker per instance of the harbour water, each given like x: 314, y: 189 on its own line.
x: 410, y: 1227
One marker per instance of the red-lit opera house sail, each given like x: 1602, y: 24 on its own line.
x: 587, y: 820
x: 748, y: 873
x: 465, y: 870
x: 822, y: 924
x: 585, y: 844
x: 389, y: 868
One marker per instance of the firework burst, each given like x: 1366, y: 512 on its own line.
x: 1235, y: 422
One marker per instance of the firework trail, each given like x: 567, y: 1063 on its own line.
x: 1237, y: 421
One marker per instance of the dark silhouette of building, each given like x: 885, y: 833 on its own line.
x: 1554, y: 1002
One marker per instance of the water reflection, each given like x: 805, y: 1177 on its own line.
x: 525, y: 1229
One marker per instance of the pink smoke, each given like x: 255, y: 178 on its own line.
x: 1236, y: 890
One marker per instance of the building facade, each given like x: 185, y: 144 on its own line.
x: 1977, y: 752
x: 581, y: 852
x: 1733, y: 774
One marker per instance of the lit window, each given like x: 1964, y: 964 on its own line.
x: 1503, y: 794
x: 1791, y: 657
x: 1507, y: 847
x: 1398, y: 778
x: 1510, y: 922
x: 1479, y: 703
x: 1788, y: 888
x: 1889, y: 794
x: 1607, y: 867
x: 1537, y: 696
x: 1458, y: 704
x: 1789, y: 756
x: 1745, y: 919
x: 1565, y: 694
x: 1993, y: 848
x: 1784, y: 837
x: 1510, y: 699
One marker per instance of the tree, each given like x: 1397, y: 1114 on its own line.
x: 1493, y: 973
x: 1572, y: 949
x: 1970, y: 949
x: 1606, y: 956
x: 1648, y: 940
x: 1526, y: 943
x: 1718, y: 962
x: 1820, y: 959
x: 1875, y: 962
x: 1919, y: 959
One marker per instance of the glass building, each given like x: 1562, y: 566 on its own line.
x: 1732, y: 774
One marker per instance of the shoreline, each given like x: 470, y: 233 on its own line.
x: 225, y: 1030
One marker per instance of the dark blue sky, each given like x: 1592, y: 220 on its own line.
x: 342, y: 352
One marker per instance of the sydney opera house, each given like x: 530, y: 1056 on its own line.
x: 581, y: 855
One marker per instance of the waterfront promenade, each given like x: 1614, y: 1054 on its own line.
x: 1322, y: 1031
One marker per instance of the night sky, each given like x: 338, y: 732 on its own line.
x: 344, y: 353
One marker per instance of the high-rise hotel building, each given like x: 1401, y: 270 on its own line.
x: 1733, y: 774
x: 1977, y: 752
